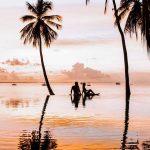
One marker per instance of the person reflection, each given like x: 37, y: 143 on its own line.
x: 35, y: 140
x: 75, y: 99
x: 85, y: 98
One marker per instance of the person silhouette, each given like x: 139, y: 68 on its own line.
x: 87, y: 92
x: 75, y: 94
x: 75, y: 90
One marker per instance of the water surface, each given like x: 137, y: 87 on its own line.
x: 97, y: 124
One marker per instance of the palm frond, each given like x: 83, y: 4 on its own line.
x: 26, y: 33
x: 145, y: 28
x: 125, y: 1
x: 134, y: 18
x: 52, y: 17
x: 123, y: 10
x: 106, y: 4
x: 31, y: 8
x: 47, y: 6
x: 26, y: 29
x: 27, y: 18
x: 48, y: 34
x: 56, y: 25
x: 36, y: 34
x: 43, y: 6
x: 125, y: 5
x: 87, y: 1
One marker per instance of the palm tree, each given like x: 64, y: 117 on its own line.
x: 40, y: 29
x: 138, y: 18
x: 127, y: 83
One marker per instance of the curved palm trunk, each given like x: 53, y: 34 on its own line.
x: 44, y: 70
x: 125, y: 53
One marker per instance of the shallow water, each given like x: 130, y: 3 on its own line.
x: 97, y: 124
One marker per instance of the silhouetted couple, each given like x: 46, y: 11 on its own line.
x: 76, y: 90
x: 76, y: 94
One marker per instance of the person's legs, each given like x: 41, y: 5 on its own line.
x: 90, y: 92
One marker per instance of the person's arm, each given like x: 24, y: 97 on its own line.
x: 71, y: 91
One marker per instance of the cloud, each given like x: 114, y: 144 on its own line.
x: 83, y: 41
x: 81, y: 73
x: 16, y: 62
x: 6, y: 76
x: 78, y: 72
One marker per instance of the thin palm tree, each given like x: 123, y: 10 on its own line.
x: 127, y: 82
x: 138, y: 18
x: 40, y: 29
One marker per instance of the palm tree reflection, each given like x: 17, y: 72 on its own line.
x: 125, y: 144
x: 35, y: 140
x: 146, y: 145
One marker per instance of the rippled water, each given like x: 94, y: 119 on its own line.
x: 104, y: 122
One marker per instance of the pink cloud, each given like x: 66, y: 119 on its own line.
x: 16, y: 62
x: 81, y: 73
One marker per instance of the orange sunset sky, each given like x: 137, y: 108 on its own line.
x: 88, y: 47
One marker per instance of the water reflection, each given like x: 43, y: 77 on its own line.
x: 32, y: 141
x: 146, y: 145
x: 35, y: 140
x: 16, y: 103
x: 125, y: 143
x: 75, y: 99
x: 85, y: 98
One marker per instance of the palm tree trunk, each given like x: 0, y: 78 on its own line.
x: 44, y: 70
x: 125, y: 53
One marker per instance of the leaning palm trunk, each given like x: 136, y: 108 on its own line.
x: 43, y: 67
x: 127, y: 84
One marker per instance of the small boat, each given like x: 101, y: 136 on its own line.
x: 13, y: 84
x: 44, y: 84
x: 117, y: 83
